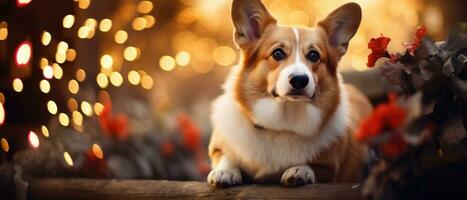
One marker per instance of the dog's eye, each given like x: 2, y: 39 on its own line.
x: 313, y: 56
x: 278, y: 54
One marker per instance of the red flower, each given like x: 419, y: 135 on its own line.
x: 114, y: 126
x: 418, y: 36
x: 190, y: 132
x: 378, y: 48
x: 385, y: 116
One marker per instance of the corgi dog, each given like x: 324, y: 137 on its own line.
x: 285, y: 115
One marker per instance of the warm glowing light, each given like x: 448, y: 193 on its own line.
x: 68, y: 159
x: 105, y: 25
x: 43, y: 62
x: 60, y: 57
x: 62, y: 47
x: 139, y: 23
x: 86, y: 108
x: 102, y: 80
x: 107, y: 61
x: 72, y: 104
x: 83, y: 4
x: 97, y: 151
x: 77, y: 118
x: 52, y: 107
x: 23, y: 53
x: 147, y: 82
x: 121, y: 37
x: 5, y: 145
x: 299, y: 18
x: 167, y: 63
x: 134, y: 78
x: 83, y: 32
x: 58, y: 71
x: 17, y: 85
x: 44, y: 85
x: 46, y: 38
x: 45, y: 131
x: 33, y: 139
x: 183, y: 58
x: 116, y: 79
x: 48, y: 72
x: 68, y: 21
x: 131, y: 53
x: 144, y: 7
x: 150, y: 21
x: 73, y: 86
x: 224, y: 55
x: 91, y: 23
x: 80, y: 75
x: 2, y: 98
x: 98, y: 108
x: 3, y: 30
x: 70, y: 55
x: 21, y: 3
x: 63, y: 119
x: 2, y: 114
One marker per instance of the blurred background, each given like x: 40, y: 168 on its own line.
x: 122, y: 88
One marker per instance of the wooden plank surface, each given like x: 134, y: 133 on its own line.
x: 97, y: 189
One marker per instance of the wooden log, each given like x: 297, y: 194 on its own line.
x: 95, y: 189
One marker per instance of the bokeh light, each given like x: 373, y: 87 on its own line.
x: 58, y: 71
x: 121, y: 36
x: 167, y: 63
x: 105, y: 25
x: 77, y: 118
x: 67, y: 158
x: 52, y: 107
x: 102, y: 80
x: 46, y: 38
x: 134, y: 78
x: 116, y: 79
x: 48, y: 72
x: 80, y: 75
x: 5, y: 145
x: 84, y: 4
x: 86, y: 108
x: 183, y: 58
x: 107, y: 61
x: 2, y: 114
x: 131, y: 53
x: 3, y: 30
x: 97, y: 151
x: 68, y: 21
x: 23, y: 53
x: 44, y: 86
x: 45, y: 131
x: 144, y: 7
x: 147, y: 82
x: 72, y: 104
x: 73, y: 86
x: 224, y: 55
x: 17, y: 85
x: 21, y: 3
x: 33, y: 139
x: 63, y: 119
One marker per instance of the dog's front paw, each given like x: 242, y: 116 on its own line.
x: 299, y: 175
x: 224, y: 177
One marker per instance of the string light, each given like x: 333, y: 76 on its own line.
x: 44, y: 86
x: 70, y: 55
x: 97, y: 151
x: 131, y: 53
x: 22, y: 3
x: 77, y: 118
x: 98, y: 108
x: 48, y: 72
x: 46, y: 38
x: 63, y: 119
x: 86, y: 108
x: 167, y: 63
x: 43, y: 62
x: 183, y: 58
x: 23, y: 54
x: 72, y: 104
x: 144, y: 7
x: 2, y: 98
x: 105, y: 25
x: 134, y: 78
x: 73, y: 86
x: 45, y: 131
x: 150, y: 21
x: 147, y: 82
x: 5, y: 145
x: 3, y: 30
x: 58, y: 71
x: 33, y: 139
x: 68, y: 21
x: 52, y: 107
x: 83, y: 4
x: 2, y: 114
x: 224, y: 55
x: 17, y: 85
x: 102, y: 80
x: 80, y: 75
x: 121, y: 36
x: 67, y: 158
x: 116, y: 79
x: 106, y: 61
x: 139, y: 24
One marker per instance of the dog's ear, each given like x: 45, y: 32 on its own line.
x: 341, y: 25
x: 250, y: 18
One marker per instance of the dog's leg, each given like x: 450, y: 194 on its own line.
x: 298, y: 175
x: 224, y: 173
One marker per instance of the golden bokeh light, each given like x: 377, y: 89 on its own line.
x: 45, y: 131
x: 131, y: 53
x: 84, y: 32
x: 23, y: 53
x: 98, y: 108
x: 299, y: 18
x: 80, y: 75
x: 107, y: 61
x: 77, y: 118
x: 67, y: 157
x: 58, y: 71
x: 105, y: 25
x: 116, y: 79
x: 46, y: 38
x: 63, y: 119
x: 73, y: 86
x: 224, y: 55
x: 2, y: 98
x: 134, y: 78
x: 91, y: 23
x: 183, y: 58
x: 97, y: 151
x: 121, y: 36
x: 43, y: 62
x: 72, y: 104
x: 68, y: 21
x: 5, y: 145
x: 83, y: 4
x: 70, y: 55
x: 52, y: 107
x: 147, y: 82
x: 17, y: 85
x: 2, y: 113
x: 86, y: 108
x: 33, y: 139
x: 60, y: 57
x: 167, y: 63
x: 145, y: 7
x: 150, y: 21
x: 102, y: 80
x: 3, y: 30
x: 48, y: 72
x: 139, y: 23
x: 44, y: 86
x: 62, y: 47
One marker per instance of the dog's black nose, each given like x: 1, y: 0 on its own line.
x: 298, y: 81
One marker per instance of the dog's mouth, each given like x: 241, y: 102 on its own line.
x: 294, y: 95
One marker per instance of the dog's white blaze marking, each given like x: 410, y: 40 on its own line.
x: 298, y: 67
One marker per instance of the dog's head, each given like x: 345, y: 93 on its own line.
x: 290, y: 64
